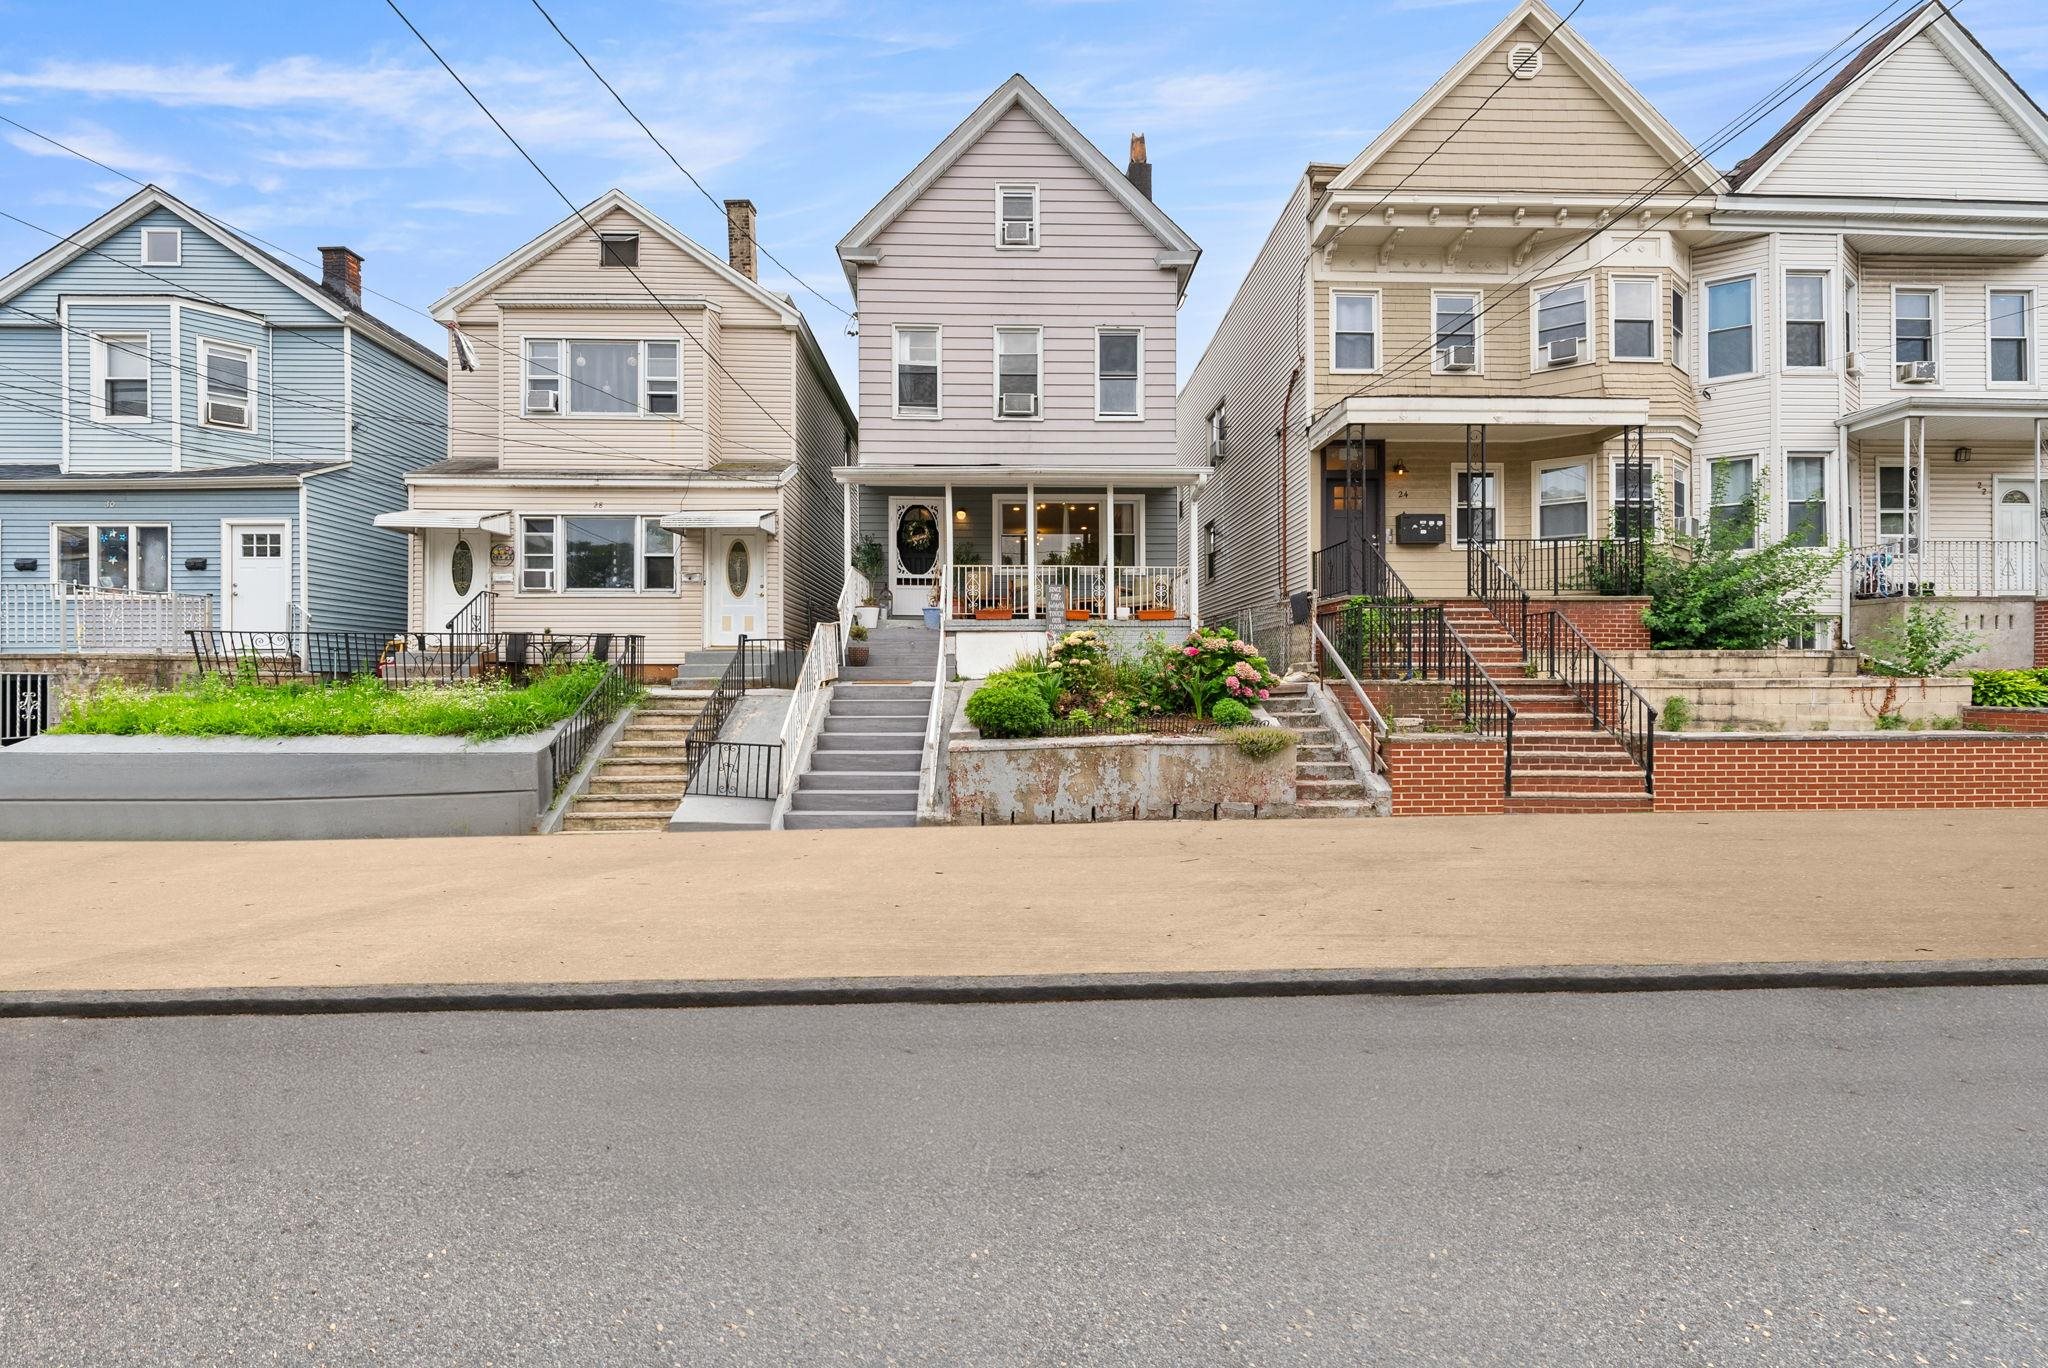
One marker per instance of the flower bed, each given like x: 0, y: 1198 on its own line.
x: 1079, y: 689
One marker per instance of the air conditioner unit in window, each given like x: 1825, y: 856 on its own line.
x: 543, y: 401
x: 1456, y: 358
x: 1563, y: 352
x: 1854, y: 363
x: 223, y: 414
x: 1915, y: 373
x: 1016, y: 232
x: 1019, y: 405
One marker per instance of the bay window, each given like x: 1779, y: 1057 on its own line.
x: 1634, y: 498
x: 1731, y: 502
x: 1731, y: 327
x: 131, y: 556
x: 1806, y: 500
x: 120, y: 364
x: 602, y: 378
x: 1456, y: 330
x: 620, y: 552
x: 1634, y: 308
x: 1913, y: 325
x: 1561, y: 324
x: 226, y: 373
x: 1806, y: 314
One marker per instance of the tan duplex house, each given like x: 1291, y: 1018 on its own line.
x: 641, y: 440
x: 1477, y: 329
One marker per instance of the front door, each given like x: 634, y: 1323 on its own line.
x: 2017, y: 526
x: 1354, y: 514
x: 737, y: 573
x: 913, y: 555
x: 455, y: 564
x: 259, y: 587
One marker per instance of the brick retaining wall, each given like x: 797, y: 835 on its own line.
x: 2007, y: 719
x: 1445, y: 775
x: 1870, y: 770
x: 1611, y: 624
x: 2041, y: 634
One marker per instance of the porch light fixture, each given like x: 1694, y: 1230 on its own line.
x: 960, y: 515
x: 195, y: 562
x: 1400, y: 469
x: 1962, y: 455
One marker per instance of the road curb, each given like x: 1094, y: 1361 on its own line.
x: 1022, y: 989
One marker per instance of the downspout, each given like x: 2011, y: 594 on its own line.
x: 1286, y: 420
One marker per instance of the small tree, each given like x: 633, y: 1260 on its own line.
x: 1921, y: 641
x: 1728, y: 589
x: 867, y: 562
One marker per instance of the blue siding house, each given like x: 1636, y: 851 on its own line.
x: 183, y: 413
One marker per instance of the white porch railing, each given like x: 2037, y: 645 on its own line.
x: 1090, y: 592
x: 1946, y: 569
x: 800, y: 724
x: 68, y: 619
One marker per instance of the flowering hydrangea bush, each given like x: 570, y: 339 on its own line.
x: 1214, y: 663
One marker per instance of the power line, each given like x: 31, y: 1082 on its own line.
x: 687, y: 174
x: 577, y: 210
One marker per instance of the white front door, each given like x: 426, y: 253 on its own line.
x: 259, y: 577
x: 456, y: 569
x: 914, y: 532
x: 736, y: 587
x: 2016, y: 524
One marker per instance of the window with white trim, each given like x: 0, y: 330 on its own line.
x: 618, y: 249
x: 537, y: 555
x: 1731, y: 507
x: 917, y: 372
x: 664, y: 378
x: 1018, y: 363
x: 1898, y: 498
x: 1679, y: 355
x: 162, y: 247
x: 1731, y: 327
x: 1806, y: 500
x: 1219, y: 433
x: 1116, y: 372
x: 1455, y: 315
x: 1476, y: 495
x: 120, y: 377
x: 1633, y: 304
x: 2012, y: 337
x: 602, y: 377
x: 1016, y: 216
x: 133, y: 556
x: 1561, y: 324
x: 1806, y: 320
x: 1913, y: 314
x: 1354, y: 332
x: 1681, y: 499
x: 227, y: 374
x: 594, y: 552
x: 1564, y: 501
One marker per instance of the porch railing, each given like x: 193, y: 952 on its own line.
x: 1395, y: 642
x: 768, y: 662
x: 1499, y: 591
x: 1571, y: 565
x: 67, y: 619
x: 806, y: 711
x: 396, y: 657
x: 1946, y: 568
x: 474, y: 617
x: 24, y: 705
x: 1358, y: 568
x: 1561, y: 651
x: 1090, y: 592
x: 738, y: 769
x: 571, y: 746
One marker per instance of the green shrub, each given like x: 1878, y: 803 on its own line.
x: 1213, y: 664
x: 1920, y: 641
x: 1228, y: 712
x: 1010, y: 705
x: 2009, y: 688
x: 1677, y: 714
x: 1713, y: 593
x: 1261, y: 743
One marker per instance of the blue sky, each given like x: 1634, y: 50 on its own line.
x: 322, y: 124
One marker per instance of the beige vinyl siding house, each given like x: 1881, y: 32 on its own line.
x: 644, y: 443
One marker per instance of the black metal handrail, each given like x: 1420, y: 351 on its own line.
x: 1562, y: 651
x: 765, y: 662
x: 613, y: 690
x: 474, y: 617
x: 1573, y: 565
x: 1357, y: 568
x: 1498, y: 590
x: 738, y: 769
x: 397, y: 657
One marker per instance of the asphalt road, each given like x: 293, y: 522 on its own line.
x: 1779, y: 1177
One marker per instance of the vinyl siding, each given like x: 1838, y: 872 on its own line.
x: 1960, y: 497
x: 194, y: 517
x: 1914, y: 127
x: 1738, y: 419
x: 98, y: 447
x: 306, y: 394
x: 213, y: 446
x: 814, y: 525
x: 30, y: 380
x: 1962, y: 333
x: 941, y: 265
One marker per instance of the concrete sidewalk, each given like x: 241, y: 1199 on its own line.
x: 1252, y: 898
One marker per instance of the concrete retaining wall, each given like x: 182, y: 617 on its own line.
x: 2005, y: 628
x: 177, y: 788
x: 1792, y: 691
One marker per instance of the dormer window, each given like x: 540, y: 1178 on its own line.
x: 162, y: 247
x: 618, y: 249
x: 1016, y: 216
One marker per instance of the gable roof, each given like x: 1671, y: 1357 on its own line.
x: 1993, y: 78
x: 151, y: 198
x: 1018, y: 93
x: 1662, y: 136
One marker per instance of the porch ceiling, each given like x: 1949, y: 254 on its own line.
x: 1012, y: 476
x: 1984, y: 418
x: 1506, y: 419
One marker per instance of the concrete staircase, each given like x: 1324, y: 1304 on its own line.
x: 638, y: 783
x: 1564, y: 760
x: 1325, y: 783
x: 864, y: 768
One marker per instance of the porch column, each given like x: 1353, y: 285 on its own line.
x: 846, y: 498
x: 1194, y: 558
x: 1031, y: 552
x: 946, y: 564
x: 1923, y: 497
x: 2040, y: 570
x: 1109, y: 552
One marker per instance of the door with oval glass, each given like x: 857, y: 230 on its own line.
x: 914, y: 534
x: 737, y: 576
x: 457, y: 566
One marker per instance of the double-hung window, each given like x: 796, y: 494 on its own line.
x: 1681, y: 499
x: 227, y: 373
x: 1116, y: 373
x: 1564, y: 503
x: 1731, y: 327
x: 1633, y: 489
x: 1634, y: 305
x: 120, y: 389
x: 1456, y: 333
x: 1561, y: 324
x: 664, y: 377
x: 917, y: 372
x: 620, y: 552
x: 602, y: 378
x: 1477, y: 497
x: 1806, y: 319
x: 2012, y: 337
x: 1016, y: 216
x: 1355, y: 332
x: 1806, y: 500
x: 1898, y: 499
x: 1017, y: 372
x: 133, y: 556
x: 1913, y: 316
x: 1731, y: 502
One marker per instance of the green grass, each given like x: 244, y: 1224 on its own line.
x: 214, y: 706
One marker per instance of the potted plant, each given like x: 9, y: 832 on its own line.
x: 867, y: 563
x: 936, y: 606
x: 857, y: 644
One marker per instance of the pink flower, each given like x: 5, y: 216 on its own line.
x: 1194, y: 650
x: 1265, y: 693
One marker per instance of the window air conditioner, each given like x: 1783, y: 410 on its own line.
x: 223, y: 414
x: 543, y: 401
x: 1563, y: 352
x: 1019, y: 405
x: 1854, y: 363
x: 1914, y: 372
x: 1456, y: 358
x: 1017, y: 232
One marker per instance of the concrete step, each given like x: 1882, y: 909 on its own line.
x: 1332, y: 807
x: 1320, y: 789
x: 865, y: 761
x: 628, y: 748
x: 902, y: 722
x: 1324, y: 755
x: 1322, y: 769
x: 831, y: 821
x: 670, y: 787
x: 575, y: 821
x: 807, y: 799
x: 821, y: 781
x: 849, y: 703
x: 858, y: 692
x: 911, y: 743
x: 602, y: 804
x: 1579, y: 802
x: 649, y: 765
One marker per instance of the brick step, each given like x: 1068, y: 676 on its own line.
x: 1581, y: 781
x: 1579, y: 803
x: 1615, y: 760
x: 1539, y: 721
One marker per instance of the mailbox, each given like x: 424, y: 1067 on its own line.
x: 1419, y: 529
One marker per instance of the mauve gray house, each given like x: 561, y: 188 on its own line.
x: 1017, y: 295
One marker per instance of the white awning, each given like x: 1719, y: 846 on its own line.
x: 445, y: 520
x: 760, y: 519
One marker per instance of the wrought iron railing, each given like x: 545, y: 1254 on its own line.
x: 764, y: 662
x: 1358, y: 569
x: 1375, y: 729
x: 474, y: 617
x: 396, y: 657
x: 1395, y: 642
x: 24, y: 705
x: 1498, y: 591
x: 617, y: 687
x: 1571, y: 565
x: 42, y: 616
x: 1562, y: 652
x: 738, y: 769
x: 1947, y: 568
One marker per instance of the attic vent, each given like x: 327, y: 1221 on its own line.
x: 1524, y: 61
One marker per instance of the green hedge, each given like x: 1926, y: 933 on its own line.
x: 2009, y: 688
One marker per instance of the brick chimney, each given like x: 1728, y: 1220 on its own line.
x: 739, y: 238
x: 1140, y: 170
x: 341, y: 275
